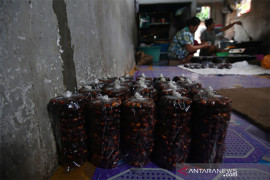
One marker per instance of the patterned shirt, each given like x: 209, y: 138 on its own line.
x: 177, y: 47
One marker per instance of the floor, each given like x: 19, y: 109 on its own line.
x: 247, y: 147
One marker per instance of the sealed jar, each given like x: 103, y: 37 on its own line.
x: 137, y: 127
x: 67, y: 115
x: 172, y: 131
x: 103, y: 128
x: 210, y: 120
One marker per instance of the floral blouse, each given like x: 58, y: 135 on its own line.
x: 177, y: 47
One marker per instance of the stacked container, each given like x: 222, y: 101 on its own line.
x: 68, y: 122
x: 172, y: 131
x: 103, y: 128
x: 137, y: 129
x: 209, y: 127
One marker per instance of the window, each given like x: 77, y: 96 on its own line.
x: 204, y: 13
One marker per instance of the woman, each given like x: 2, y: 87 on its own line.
x: 182, y: 46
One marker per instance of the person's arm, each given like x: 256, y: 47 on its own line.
x: 193, y: 48
x: 203, y: 41
x: 230, y: 25
x: 188, y: 41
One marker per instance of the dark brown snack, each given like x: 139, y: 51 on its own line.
x: 192, y: 87
x: 209, y: 125
x: 203, y: 66
x: 193, y: 66
x: 67, y: 115
x: 103, y: 128
x: 197, y: 66
x: 228, y: 66
x: 212, y: 65
x: 172, y: 131
x: 137, y: 127
x: 90, y: 93
x: 224, y: 66
x: 221, y: 66
x: 187, y: 65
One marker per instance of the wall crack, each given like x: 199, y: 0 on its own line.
x: 67, y: 50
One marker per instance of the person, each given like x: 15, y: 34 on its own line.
x: 209, y: 35
x: 182, y: 45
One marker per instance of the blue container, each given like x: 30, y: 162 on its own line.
x: 153, y: 51
x: 163, y: 47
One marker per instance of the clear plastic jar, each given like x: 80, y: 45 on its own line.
x: 137, y: 127
x: 172, y: 131
x: 103, y: 128
x: 67, y: 116
x: 209, y: 127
